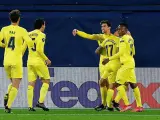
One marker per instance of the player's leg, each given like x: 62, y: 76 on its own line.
x: 30, y: 94
x: 122, y: 76
x: 8, y: 71
x: 32, y: 76
x: 118, y: 97
x: 123, y: 95
x: 9, y: 87
x: 110, y: 92
x: 6, y: 95
x: 103, y: 90
x: 137, y: 96
x: 16, y: 75
x: 105, y: 75
x: 43, y: 93
x: 115, y: 102
x: 114, y: 66
x: 44, y: 90
x: 14, y: 90
x: 136, y: 91
x: 43, y: 72
x: 103, y: 86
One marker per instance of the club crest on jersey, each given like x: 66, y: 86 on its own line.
x: 43, y: 39
x: 130, y: 40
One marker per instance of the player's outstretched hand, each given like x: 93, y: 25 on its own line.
x: 74, y: 32
x: 105, y: 61
x: 48, y: 62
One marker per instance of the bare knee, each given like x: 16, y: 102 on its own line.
x: 46, y: 81
x: 112, y: 86
x: 126, y: 86
x: 16, y: 82
x: 107, y: 83
x: 32, y: 84
x: 11, y: 79
x: 133, y: 85
x: 103, y: 82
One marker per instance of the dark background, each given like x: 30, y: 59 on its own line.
x: 62, y: 16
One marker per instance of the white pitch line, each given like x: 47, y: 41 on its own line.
x: 84, y: 115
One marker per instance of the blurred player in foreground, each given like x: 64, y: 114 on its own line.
x: 126, y: 73
x: 37, y: 65
x: 13, y: 36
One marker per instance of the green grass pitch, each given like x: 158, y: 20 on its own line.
x: 78, y: 114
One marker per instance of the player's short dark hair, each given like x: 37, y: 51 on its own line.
x: 14, y: 15
x: 105, y: 22
x: 124, y: 24
x: 38, y: 23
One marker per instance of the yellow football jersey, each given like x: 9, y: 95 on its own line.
x: 98, y: 37
x: 1, y: 40
x: 126, y: 51
x: 111, y: 44
x: 36, y: 53
x: 103, y: 54
x: 14, y: 36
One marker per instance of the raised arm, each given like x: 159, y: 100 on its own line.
x: 87, y: 36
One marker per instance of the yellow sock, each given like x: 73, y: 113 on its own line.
x: 123, y: 94
x: 43, y: 92
x: 9, y: 88
x: 118, y: 96
x: 137, y: 96
x: 30, y: 96
x: 12, y: 95
x: 110, y: 94
x: 103, y: 91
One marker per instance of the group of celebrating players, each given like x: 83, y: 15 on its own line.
x: 15, y: 40
x: 116, y: 66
